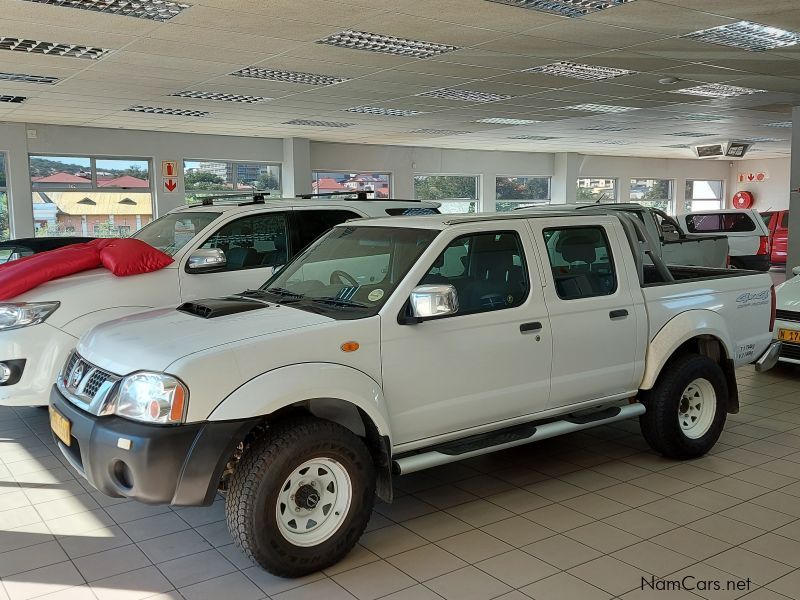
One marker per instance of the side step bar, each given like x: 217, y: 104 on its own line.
x: 510, y: 438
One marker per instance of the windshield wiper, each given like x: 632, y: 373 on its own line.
x: 282, y: 292
x: 286, y: 295
x: 338, y: 302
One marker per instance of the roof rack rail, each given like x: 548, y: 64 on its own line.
x: 359, y: 195
x: 257, y: 197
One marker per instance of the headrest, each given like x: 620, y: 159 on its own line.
x: 579, y: 245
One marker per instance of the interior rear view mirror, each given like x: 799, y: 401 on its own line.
x: 206, y: 260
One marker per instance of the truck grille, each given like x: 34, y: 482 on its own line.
x: 790, y: 351
x: 787, y: 315
x: 85, y: 384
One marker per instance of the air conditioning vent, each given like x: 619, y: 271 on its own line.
x: 727, y: 149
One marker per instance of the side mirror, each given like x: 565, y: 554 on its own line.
x: 206, y: 260
x: 432, y: 301
x: 796, y: 270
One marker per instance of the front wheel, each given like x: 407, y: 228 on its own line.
x: 686, y: 409
x: 301, y: 496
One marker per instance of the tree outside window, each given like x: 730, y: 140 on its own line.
x: 518, y: 192
x: 593, y: 190
x: 229, y: 177
x: 457, y: 193
x: 653, y: 193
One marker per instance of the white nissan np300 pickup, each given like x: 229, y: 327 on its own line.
x: 394, y: 345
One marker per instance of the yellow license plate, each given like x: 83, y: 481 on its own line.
x: 789, y: 335
x: 60, y: 426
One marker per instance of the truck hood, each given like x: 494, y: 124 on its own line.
x: 788, y: 295
x: 155, y: 339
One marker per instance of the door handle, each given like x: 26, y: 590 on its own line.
x: 532, y: 327
x: 618, y: 314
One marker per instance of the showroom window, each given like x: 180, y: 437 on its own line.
x: 596, y: 189
x: 703, y: 194
x: 90, y: 196
x: 457, y: 193
x: 221, y: 177
x: 580, y: 258
x: 518, y: 192
x: 377, y: 184
x: 653, y: 193
x: 5, y: 217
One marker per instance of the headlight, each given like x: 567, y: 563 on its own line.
x: 16, y: 315
x: 151, y: 398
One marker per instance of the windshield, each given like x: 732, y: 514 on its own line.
x: 172, y: 232
x: 351, y: 270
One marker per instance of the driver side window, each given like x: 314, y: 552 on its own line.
x: 252, y: 242
x: 488, y: 271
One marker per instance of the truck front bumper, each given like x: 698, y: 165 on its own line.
x: 178, y: 464
x: 770, y: 358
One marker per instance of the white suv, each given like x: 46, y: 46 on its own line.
x: 218, y: 249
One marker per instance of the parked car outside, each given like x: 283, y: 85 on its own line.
x: 777, y: 223
x: 747, y: 235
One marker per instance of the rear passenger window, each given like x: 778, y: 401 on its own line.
x: 580, y: 258
x: 488, y: 271
x: 720, y: 223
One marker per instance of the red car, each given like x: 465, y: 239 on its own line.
x: 778, y: 224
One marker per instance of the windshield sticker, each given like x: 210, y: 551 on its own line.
x: 375, y: 295
x: 749, y: 299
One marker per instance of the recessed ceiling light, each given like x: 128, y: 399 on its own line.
x: 465, y: 95
x: 288, y: 76
x: 717, y: 90
x: 24, y: 78
x: 781, y: 124
x: 579, y: 71
x: 378, y: 110
x: 612, y: 142
x: 220, y: 96
x: 387, y: 44
x: 439, y: 131
x: 155, y: 10
x: 565, y: 8
x: 175, y: 112
x: 505, y: 121
x: 13, y: 99
x: 52, y: 48
x: 680, y: 146
x: 532, y: 137
x: 691, y: 134
x: 767, y: 140
x: 700, y: 117
x: 747, y: 36
x: 607, y: 128
x: 601, y: 108
x: 312, y: 123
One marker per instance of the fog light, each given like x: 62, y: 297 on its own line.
x: 5, y: 373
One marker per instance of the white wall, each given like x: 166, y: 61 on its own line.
x: 770, y: 194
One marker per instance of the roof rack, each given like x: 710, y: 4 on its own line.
x: 359, y: 195
x: 257, y: 197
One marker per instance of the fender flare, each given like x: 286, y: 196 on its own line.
x: 679, y: 330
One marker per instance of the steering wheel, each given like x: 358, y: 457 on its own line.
x: 344, y: 277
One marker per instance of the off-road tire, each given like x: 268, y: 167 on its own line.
x: 251, y: 501
x: 660, y: 425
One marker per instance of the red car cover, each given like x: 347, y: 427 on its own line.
x: 120, y: 256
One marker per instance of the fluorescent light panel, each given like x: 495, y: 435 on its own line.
x: 533, y: 137
x: 386, y: 44
x: 601, y: 108
x: 506, y: 121
x: 465, y: 95
x: 579, y: 71
x: 691, y: 134
x: 612, y: 142
x: 717, y: 90
x: 52, y: 48
x: 220, y: 96
x: 13, y: 99
x: 766, y: 140
x: 154, y: 10
x: 25, y: 78
x: 780, y: 124
x: 681, y: 146
x: 747, y: 36
x: 439, y: 132
x: 388, y: 112
x: 175, y: 112
x: 565, y: 8
x: 288, y: 76
x: 607, y: 128
x: 312, y: 123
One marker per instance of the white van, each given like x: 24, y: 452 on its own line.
x: 747, y: 235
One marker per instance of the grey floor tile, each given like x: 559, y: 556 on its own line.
x: 561, y: 551
x: 654, y: 558
x: 691, y: 543
x: 564, y: 587
x: 30, y: 557
x: 602, y: 537
x: 426, y: 562
x: 233, y: 586
x: 474, y: 546
x: 155, y: 526
x: 133, y: 585
x: 518, y: 531
x: 741, y: 562
x: 111, y: 562
x: 42, y: 581
x: 558, y: 517
x: 195, y: 568
x: 391, y: 540
x: 468, y: 583
x: 609, y: 574
x: 373, y: 580
x: 517, y: 568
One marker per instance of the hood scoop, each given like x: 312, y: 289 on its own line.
x: 220, y: 307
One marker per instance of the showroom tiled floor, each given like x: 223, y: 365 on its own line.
x: 582, y: 517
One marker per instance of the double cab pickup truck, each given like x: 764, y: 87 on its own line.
x: 394, y: 345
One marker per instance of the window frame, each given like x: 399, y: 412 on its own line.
x: 525, y: 268
x: 611, y: 260
x: 670, y: 210
x: 687, y: 201
x: 547, y: 200
x: 614, y: 200
x: 233, y: 163
x: 389, y: 176
x: 477, y: 200
x: 4, y: 192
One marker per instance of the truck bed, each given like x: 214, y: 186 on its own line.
x: 684, y: 273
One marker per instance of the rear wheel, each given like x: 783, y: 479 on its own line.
x: 301, y: 496
x: 686, y: 409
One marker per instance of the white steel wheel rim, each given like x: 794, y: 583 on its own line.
x: 696, y: 409
x: 313, y: 502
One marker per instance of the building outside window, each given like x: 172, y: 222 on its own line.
x: 378, y: 185
x: 592, y: 190
x: 703, y: 194
x: 654, y: 193
x: 221, y: 177
x: 457, y: 193
x: 90, y: 196
x: 518, y: 192
x: 5, y: 216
